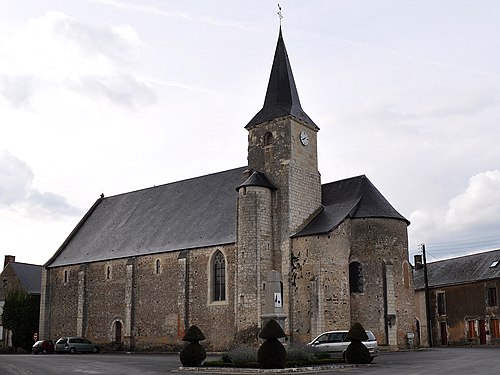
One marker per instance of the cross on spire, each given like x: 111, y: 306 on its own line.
x: 280, y: 15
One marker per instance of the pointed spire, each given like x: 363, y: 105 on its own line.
x: 282, y: 98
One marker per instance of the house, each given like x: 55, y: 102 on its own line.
x: 20, y: 277
x: 230, y: 250
x: 462, y: 297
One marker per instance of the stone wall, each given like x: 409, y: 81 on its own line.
x: 153, y: 306
x: 386, y: 305
x: 319, y: 284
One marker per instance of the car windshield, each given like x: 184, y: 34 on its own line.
x: 61, y: 341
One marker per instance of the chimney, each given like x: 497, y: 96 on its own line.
x: 8, y: 259
x: 418, y: 262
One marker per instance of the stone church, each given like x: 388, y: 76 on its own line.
x: 229, y: 250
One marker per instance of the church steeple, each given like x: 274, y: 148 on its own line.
x: 282, y: 98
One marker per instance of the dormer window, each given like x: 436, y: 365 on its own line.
x: 494, y: 264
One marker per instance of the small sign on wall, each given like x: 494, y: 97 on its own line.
x: 277, y: 300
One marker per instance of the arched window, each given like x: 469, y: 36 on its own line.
x: 157, y: 266
x: 356, y: 277
x: 219, y: 277
x: 268, y: 139
x: 108, y: 272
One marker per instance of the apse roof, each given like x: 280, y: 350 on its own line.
x: 460, y: 270
x: 354, y: 197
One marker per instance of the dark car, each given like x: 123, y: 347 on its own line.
x: 75, y: 344
x: 43, y: 346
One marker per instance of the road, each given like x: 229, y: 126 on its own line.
x: 443, y: 361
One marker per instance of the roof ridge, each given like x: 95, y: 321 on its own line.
x: 463, y: 256
x: 26, y: 264
x: 174, y: 182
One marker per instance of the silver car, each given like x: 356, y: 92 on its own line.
x: 334, y: 343
x: 75, y: 344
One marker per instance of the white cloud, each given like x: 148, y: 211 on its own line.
x: 64, y: 53
x: 476, y: 210
x: 15, y: 179
x: 17, y: 90
x: 478, y: 205
x: 17, y: 193
x: 118, y: 89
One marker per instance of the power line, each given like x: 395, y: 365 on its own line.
x: 444, y: 246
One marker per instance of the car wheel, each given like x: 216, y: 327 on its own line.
x: 371, y: 359
x: 44, y: 351
x: 72, y: 351
x: 94, y: 349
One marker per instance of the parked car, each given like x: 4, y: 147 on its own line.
x: 75, y: 344
x: 43, y: 346
x: 334, y: 343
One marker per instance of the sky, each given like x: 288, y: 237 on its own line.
x: 111, y: 96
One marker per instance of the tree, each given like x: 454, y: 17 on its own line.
x: 21, y: 314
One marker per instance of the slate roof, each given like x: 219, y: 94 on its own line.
x: 194, y: 213
x: 282, y: 98
x: 30, y: 276
x: 354, y: 197
x: 258, y: 179
x: 461, y: 270
x: 187, y: 214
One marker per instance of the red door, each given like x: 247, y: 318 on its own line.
x: 482, y: 332
x: 444, y: 333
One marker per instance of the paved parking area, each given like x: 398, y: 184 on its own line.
x: 445, y: 361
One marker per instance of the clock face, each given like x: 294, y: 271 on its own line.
x: 304, y: 138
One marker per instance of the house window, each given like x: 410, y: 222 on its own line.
x: 108, y: 272
x: 157, y: 266
x: 356, y: 277
x: 219, y: 277
x: 65, y: 276
x: 441, y: 304
x: 4, y: 283
x: 494, y: 329
x: 491, y: 296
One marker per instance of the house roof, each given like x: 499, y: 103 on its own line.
x: 354, y: 197
x: 30, y: 276
x: 194, y: 213
x: 282, y: 98
x: 461, y: 270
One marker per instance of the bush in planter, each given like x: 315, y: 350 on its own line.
x: 357, y: 352
x: 193, y: 353
x: 271, y: 354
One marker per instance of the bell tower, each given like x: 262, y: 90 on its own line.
x: 282, y: 144
x: 282, y: 193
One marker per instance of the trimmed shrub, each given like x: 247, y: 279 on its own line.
x: 271, y: 354
x: 193, y: 353
x: 357, y: 352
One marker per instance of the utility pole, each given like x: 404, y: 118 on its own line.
x: 427, y: 299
